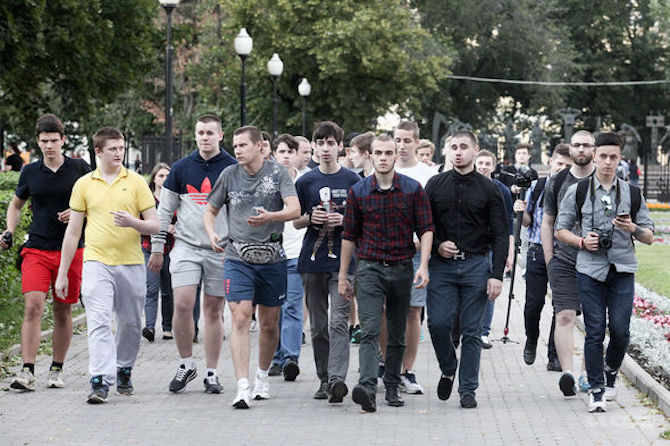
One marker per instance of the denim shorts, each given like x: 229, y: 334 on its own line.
x: 262, y: 284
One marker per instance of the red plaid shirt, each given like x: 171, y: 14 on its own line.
x: 382, y: 223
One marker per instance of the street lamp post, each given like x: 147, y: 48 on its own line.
x: 275, y: 68
x: 243, y: 45
x: 169, y: 6
x: 304, y: 89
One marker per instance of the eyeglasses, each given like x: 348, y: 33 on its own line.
x: 607, y: 201
x: 586, y: 145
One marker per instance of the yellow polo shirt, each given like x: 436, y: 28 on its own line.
x: 105, y: 242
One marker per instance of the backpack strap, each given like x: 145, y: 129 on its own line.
x: 635, y: 201
x: 560, y: 179
x: 582, y: 189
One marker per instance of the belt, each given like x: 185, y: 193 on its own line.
x: 462, y: 255
x: 535, y: 245
x: 388, y: 262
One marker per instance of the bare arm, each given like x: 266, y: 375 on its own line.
x: 547, y: 235
x: 13, y: 215
x: 344, y: 287
x: 421, y: 275
x: 70, y: 242
x: 291, y: 211
x: 209, y: 222
x: 147, y: 225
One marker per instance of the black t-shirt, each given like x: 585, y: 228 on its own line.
x: 15, y: 161
x: 49, y: 193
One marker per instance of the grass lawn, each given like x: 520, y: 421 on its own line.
x: 654, y: 272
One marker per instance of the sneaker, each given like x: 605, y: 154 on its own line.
x: 486, y: 344
x: 409, y: 385
x: 553, y: 365
x: 584, y: 385
x: 338, y: 390
x: 596, y: 401
x: 444, y: 387
x: 242, y: 399
x: 422, y: 338
x: 364, y: 398
x: 254, y: 323
x: 275, y: 369
x: 380, y: 375
x: 610, y: 380
x: 183, y: 377
x: 468, y: 401
x: 567, y: 384
x: 24, y: 380
x: 212, y: 384
x: 291, y: 370
x: 356, y: 334
x: 148, y: 334
x: 322, y: 393
x: 167, y: 335
x: 303, y: 339
x: 124, y: 385
x: 99, y: 391
x: 262, y: 388
x: 610, y: 393
x: 55, y: 379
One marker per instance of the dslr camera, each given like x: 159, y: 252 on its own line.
x: 523, y: 177
x: 604, y: 238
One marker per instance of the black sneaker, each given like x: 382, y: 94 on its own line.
x: 364, y: 397
x: 124, y: 386
x: 444, y: 387
x: 99, y: 391
x: 610, y: 377
x: 468, y: 401
x: 148, y: 334
x: 291, y: 370
x: 338, y: 390
x: 183, y: 377
x: 275, y: 369
x: 212, y: 384
x: 322, y: 393
x: 567, y: 384
x: 393, y: 398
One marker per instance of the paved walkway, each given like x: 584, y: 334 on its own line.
x: 518, y: 404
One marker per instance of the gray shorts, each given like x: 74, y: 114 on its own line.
x: 563, y: 281
x: 188, y: 265
x: 418, y: 298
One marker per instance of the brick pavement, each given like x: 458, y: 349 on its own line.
x: 518, y: 405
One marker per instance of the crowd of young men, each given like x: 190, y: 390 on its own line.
x: 394, y: 232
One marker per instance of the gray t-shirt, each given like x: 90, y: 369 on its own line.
x: 562, y: 250
x: 242, y: 194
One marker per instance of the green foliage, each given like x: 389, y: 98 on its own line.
x: 653, y: 271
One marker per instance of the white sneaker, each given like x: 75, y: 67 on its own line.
x: 597, y: 402
x: 486, y: 343
x: 55, y: 379
x: 262, y: 388
x: 242, y: 399
x: 409, y: 385
x: 24, y: 380
x: 610, y: 393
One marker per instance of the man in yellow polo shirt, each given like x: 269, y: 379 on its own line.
x: 113, y: 279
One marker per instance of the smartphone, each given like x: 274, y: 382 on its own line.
x: 623, y: 215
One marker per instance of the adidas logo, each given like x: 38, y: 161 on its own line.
x: 200, y: 196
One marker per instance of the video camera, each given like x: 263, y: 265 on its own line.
x: 522, y: 178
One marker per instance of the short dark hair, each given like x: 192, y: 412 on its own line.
x: 363, y: 142
x: 209, y: 118
x: 408, y: 125
x: 49, y: 123
x: 287, y: 139
x: 562, y: 149
x: 253, y: 132
x: 106, y: 134
x: 383, y: 138
x: 265, y: 136
x: 350, y: 137
x: 466, y: 134
x: 522, y: 145
x: 608, y: 139
x: 326, y: 129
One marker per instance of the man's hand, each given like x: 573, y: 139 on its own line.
x: 262, y: 217
x: 421, y: 277
x: 624, y: 223
x: 122, y: 219
x: 171, y: 229
x: 215, y: 242
x: 155, y: 262
x: 61, y: 286
x: 493, y: 288
x: 509, y: 262
x: 64, y: 217
x: 319, y: 216
x: 519, y: 206
x: 591, y: 241
x: 4, y: 245
x: 514, y: 189
x: 334, y: 219
x: 447, y: 249
x: 345, y: 289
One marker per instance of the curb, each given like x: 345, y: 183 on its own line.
x: 642, y: 380
x: 16, y: 348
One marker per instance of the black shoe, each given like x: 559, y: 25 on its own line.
x: 567, y: 384
x: 99, y: 391
x: 275, y: 369
x: 529, y: 352
x: 124, y: 386
x: 444, y: 387
x: 554, y: 366
x: 338, y: 390
x: 291, y: 370
x: 468, y: 401
x: 183, y: 377
x: 322, y: 393
x: 365, y: 398
x: 148, y: 334
x: 393, y: 397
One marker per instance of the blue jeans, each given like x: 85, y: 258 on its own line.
x: 156, y: 282
x: 290, y: 319
x: 458, y: 288
x: 614, y: 296
x: 490, y: 307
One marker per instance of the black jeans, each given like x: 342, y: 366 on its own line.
x: 377, y: 284
x: 536, y: 291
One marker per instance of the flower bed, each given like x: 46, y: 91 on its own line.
x: 658, y: 206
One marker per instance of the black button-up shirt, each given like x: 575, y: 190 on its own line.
x: 469, y: 210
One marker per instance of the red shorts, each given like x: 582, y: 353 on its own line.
x: 39, y: 271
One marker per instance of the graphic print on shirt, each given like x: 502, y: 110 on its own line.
x: 200, y: 196
x: 261, y: 196
x: 326, y: 195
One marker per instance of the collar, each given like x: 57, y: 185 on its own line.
x: 44, y: 167
x: 122, y: 173
x: 597, y: 184
x: 395, y: 184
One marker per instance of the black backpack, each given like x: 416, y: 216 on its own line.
x: 583, y: 187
